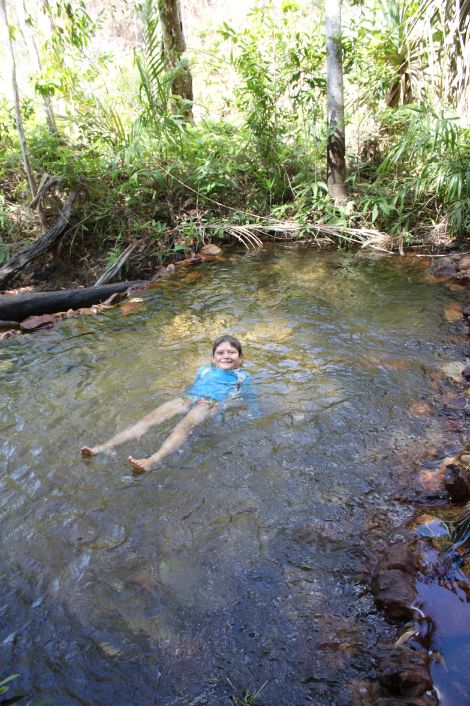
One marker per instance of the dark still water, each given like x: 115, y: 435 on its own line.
x: 243, y: 561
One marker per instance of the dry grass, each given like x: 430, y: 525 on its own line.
x: 251, y: 235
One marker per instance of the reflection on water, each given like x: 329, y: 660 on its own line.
x: 242, y: 560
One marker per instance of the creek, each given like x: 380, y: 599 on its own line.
x: 244, y: 560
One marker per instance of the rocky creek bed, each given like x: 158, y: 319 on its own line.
x: 416, y: 569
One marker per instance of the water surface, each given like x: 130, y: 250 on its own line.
x: 243, y: 561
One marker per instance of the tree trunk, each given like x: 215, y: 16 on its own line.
x: 19, y: 120
x: 174, y: 46
x: 336, y: 148
x: 17, y: 307
x: 49, y: 110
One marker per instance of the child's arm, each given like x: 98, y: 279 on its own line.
x: 248, y: 393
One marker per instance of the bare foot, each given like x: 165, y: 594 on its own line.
x: 88, y: 451
x: 140, y: 465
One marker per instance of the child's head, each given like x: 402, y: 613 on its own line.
x: 227, y: 352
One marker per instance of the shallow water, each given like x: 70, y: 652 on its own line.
x: 243, y: 561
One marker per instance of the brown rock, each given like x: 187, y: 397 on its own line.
x: 457, y: 482
x: 462, y: 277
x: 211, y: 249
x: 453, y: 312
x: 196, y: 260
x: 424, y: 700
x: 443, y: 267
x: 464, y: 263
x: 394, y: 592
x: 400, y: 556
x: 34, y: 322
x: 405, y: 672
x: 466, y: 312
x: 429, y: 699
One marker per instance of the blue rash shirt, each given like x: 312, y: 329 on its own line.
x: 216, y: 384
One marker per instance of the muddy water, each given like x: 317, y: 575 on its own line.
x: 243, y: 561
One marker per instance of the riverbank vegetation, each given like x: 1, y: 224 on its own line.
x: 229, y: 128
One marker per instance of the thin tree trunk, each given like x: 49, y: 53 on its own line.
x: 19, y: 120
x: 174, y: 46
x: 336, y: 148
x: 49, y: 110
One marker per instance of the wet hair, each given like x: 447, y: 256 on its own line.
x: 227, y: 339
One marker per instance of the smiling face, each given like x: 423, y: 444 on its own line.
x: 226, y: 357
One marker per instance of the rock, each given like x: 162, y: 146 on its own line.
x: 453, y: 312
x: 453, y: 369
x: 466, y: 312
x: 466, y: 373
x: 464, y: 263
x: 429, y: 699
x: 34, y: 322
x: 457, y: 482
x: 443, y: 267
x: 424, y: 700
x: 211, y: 249
x: 405, y: 672
x: 399, y: 556
x: 462, y: 277
x: 465, y: 458
x: 196, y: 260
x: 393, y: 581
x: 394, y: 592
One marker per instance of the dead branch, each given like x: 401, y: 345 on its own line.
x: 31, y: 252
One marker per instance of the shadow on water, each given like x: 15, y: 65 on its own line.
x: 244, y: 559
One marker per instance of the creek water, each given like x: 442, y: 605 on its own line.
x: 243, y: 561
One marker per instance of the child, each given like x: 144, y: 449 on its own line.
x: 213, y: 384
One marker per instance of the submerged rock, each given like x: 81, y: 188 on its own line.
x: 443, y: 267
x: 457, y: 482
x: 393, y: 582
x: 405, y: 672
x: 394, y: 592
x: 464, y: 263
x: 423, y: 700
x: 211, y: 249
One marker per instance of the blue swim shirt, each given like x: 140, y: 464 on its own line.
x: 217, y: 384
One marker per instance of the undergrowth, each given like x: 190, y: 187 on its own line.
x: 147, y: 175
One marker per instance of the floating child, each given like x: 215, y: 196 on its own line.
x: 214, y: 384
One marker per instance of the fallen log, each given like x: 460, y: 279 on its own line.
x: 30, y: 253
x: 19, y: 307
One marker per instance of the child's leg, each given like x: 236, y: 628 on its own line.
x: 178, y: 436
x: 160, y: 414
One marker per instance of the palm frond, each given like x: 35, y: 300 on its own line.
x: 251, y: 234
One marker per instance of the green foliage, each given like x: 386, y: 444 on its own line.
x: 147, y: 173
x: 427, y: 165
x: 159, y: 112
x: 281, y: 87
